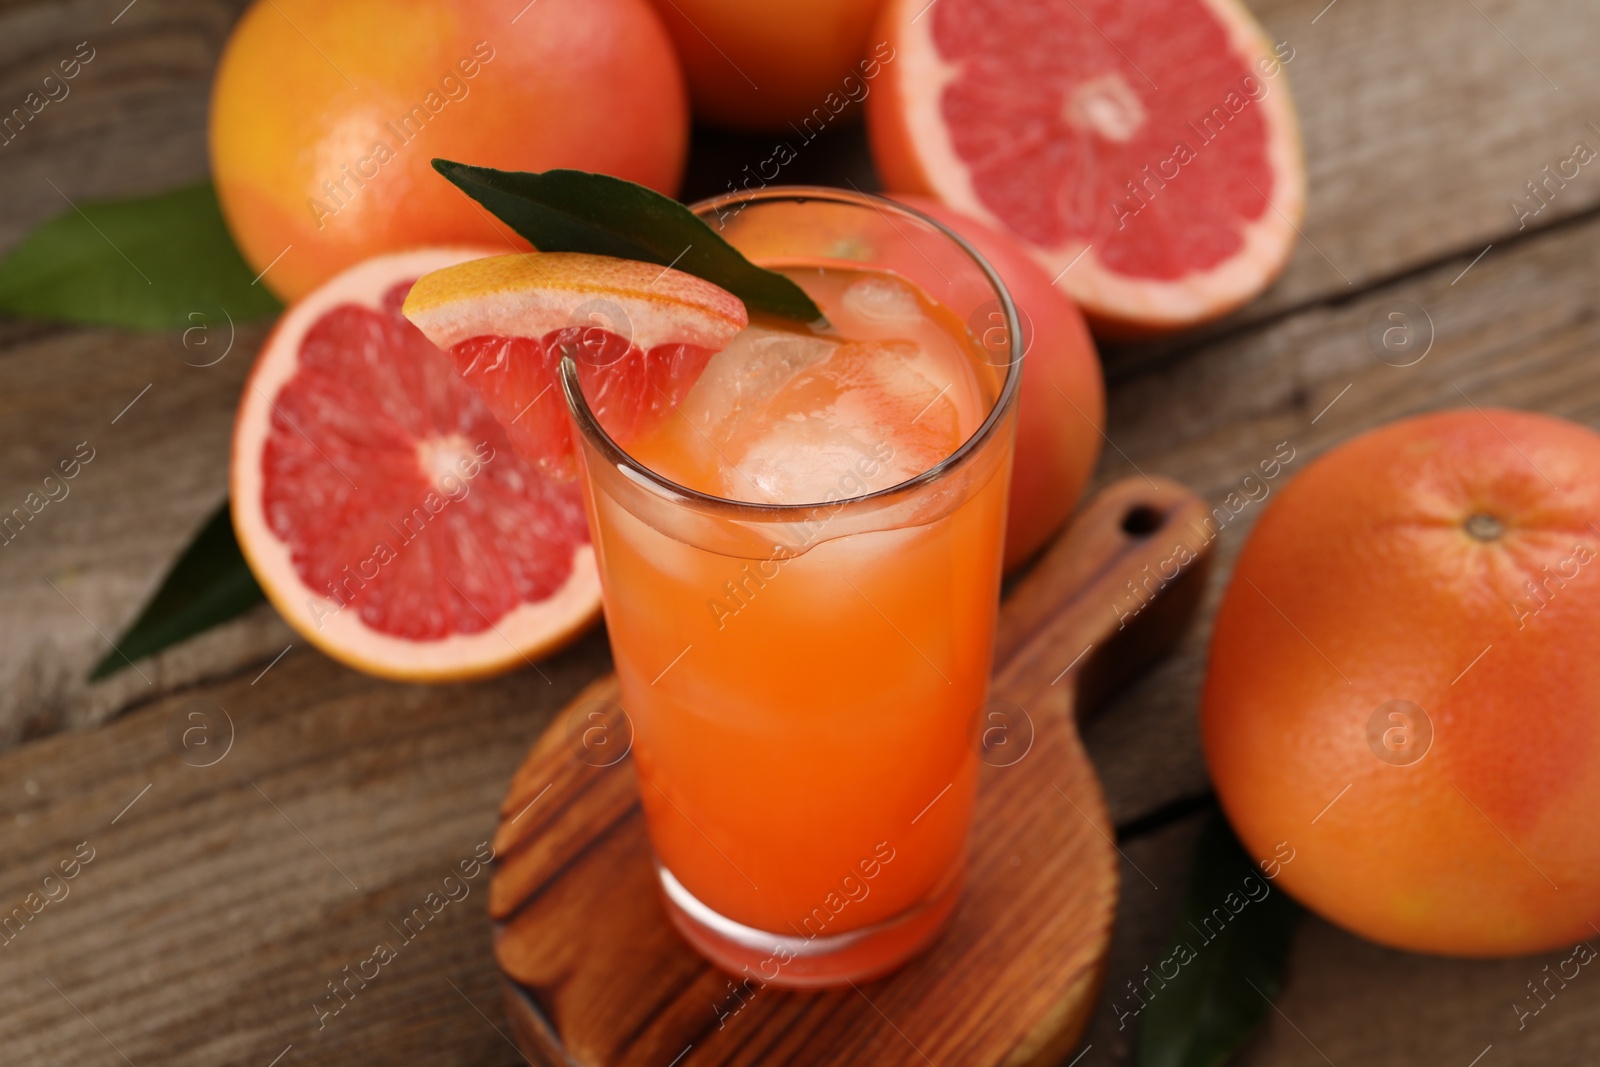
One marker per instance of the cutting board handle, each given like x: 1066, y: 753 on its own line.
x: 1109, y: 597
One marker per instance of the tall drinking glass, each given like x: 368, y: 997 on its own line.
x: 803, y: 676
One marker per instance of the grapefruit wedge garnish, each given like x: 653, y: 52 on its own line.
x: 381, y: 504
x: 1146, y: 152
x: 640, y: 335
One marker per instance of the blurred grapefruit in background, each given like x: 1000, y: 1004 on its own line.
x: 1062, y: 407
x: 1403, y: 687
x: 759, y: 65
x: 1145, y: 152
x: 324, y: 117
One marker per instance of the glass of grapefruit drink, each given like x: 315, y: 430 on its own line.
x: 800, y: 567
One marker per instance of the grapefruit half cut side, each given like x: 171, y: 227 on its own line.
x: 1145, y: 152
x: 640, y: 335
x: 382, y: 506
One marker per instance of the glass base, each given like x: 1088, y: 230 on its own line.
x: 790, y: 962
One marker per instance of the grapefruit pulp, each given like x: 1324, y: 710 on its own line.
x: 639, y: 334
x: 1146, y: 152
x: 381, y: 505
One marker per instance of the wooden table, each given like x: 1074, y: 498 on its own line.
x: 222, y: 899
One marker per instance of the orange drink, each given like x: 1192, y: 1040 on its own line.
x: 801, y: 569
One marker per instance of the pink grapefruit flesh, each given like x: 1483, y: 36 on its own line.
x: 640, y: 335
x: 382, y: 505
x: 1145, y: 152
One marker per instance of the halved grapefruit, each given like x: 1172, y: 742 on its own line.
x: 380, y: 503
x: 640, y: 335
x: 1146, y: 152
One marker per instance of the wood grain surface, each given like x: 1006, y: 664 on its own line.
x: 207, y: 925
x: 1421, y: 122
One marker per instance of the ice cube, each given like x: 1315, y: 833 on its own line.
x: 812, y: 461
x: 882, y: 301
x: 751, y: 370
x: 867, y: 418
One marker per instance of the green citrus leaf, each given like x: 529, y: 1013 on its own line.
x: 1216, y: 982
x: 147, y: 264
x: 208, y: 585
x: 575, y: 211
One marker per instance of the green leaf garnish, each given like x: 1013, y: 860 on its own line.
x: 1228, y: 952
x: 576, y: 211
x: 148, y: 264
x: 208, y: 585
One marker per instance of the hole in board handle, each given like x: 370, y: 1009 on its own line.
x: 1141, y: 521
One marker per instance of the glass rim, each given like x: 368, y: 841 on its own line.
x: 728, y: 507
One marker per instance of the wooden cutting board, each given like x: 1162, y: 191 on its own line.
x: 595, y: 975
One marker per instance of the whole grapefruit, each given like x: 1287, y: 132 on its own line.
x: 760, y: 65
x: 324, y: 117
x: 1062, y: 407
x: 1403, y: 685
